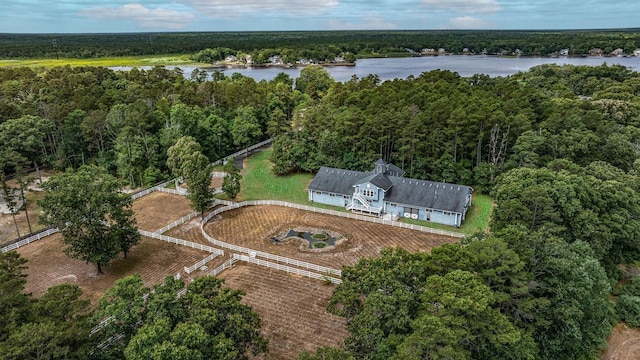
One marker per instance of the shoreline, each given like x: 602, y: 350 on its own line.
x: 264, y: 66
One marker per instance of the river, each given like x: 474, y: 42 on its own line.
x: 401, y: 68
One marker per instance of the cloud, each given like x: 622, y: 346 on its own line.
x: 469, y: 22
x: 465, y: 6
x: 235, y: 8
x: 370, y: 22
x: 143, y: 16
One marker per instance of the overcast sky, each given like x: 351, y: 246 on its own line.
x: 99, y: 16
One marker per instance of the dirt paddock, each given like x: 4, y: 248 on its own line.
x: 253, y: 226
x: 152, y: 259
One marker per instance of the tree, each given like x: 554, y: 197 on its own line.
x: 94, y: 217
x: 245, y: 128
x: 14, y: 304
x: 231, y: 181
x: 51, y: 327
x: 314, y: 81
x: 186, y: 160
x: 197, y: 173
x: 206, y: 322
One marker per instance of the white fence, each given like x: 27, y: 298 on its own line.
x: 176, y: 223
x: 242, y: 152
x: 28, y: 240
x: 282, y: 259
x: 173, y: 191
x: 181, y: 242
x: 286, y: 268
x: 151, y: 189
x: 226, y: 265
x: 231, y: 206
x: 200, y: 263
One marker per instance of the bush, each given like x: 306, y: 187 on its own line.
x: 319, y: 245
x: 320, y: 236
x: 631, y: 288
x: 628, y: 310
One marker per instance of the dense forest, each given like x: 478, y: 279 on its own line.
x: 317, y: 45
x: 558, y: 148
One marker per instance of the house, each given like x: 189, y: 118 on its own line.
x: 564, y: 52
x: 4, y: 207
x: 617, y: 52
x: 596, y: 52
x: 385, y: 191
x: 230, y: 58
x: 636, y: 52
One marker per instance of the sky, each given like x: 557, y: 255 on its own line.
x: 113, y: 16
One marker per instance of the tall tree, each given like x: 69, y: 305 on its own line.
x: 94, y: 217
x: 186, y: 160
x: 231, y: 180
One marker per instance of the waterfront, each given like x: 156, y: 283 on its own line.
x: 401, y: 68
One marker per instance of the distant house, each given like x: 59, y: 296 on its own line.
x: 596, y: 52
x: 517, y: 52
x: 230, y: 58
x: 442, y: 51
x: 617, y: 52
x: 636, y: 53
x: 384, y: 191
x: 276, y: 60
x: 4, y: 207
x: 564, y: 52
x: 428, y: 51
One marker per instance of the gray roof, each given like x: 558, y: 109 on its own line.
x: 337, y: 181
x: 428, y: 194
x: 379, y: 180
x: 419, y: 193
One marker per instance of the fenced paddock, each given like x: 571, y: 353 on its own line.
x: 231, y: 206
x: 181, y: 242
x: 286, y: 268
x: 200, y: 263
x: 176, y: 223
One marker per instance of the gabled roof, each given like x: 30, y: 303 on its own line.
x: 419, y: 193
x: 379, y: 180
x: 336, y: 181
x: 428, y: 194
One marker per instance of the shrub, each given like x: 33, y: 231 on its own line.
x: 319, y: 245
x: 628, y: 310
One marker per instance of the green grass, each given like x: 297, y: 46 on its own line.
x: 477, y: 218
x: 107, y: 62
x: 259, y: 183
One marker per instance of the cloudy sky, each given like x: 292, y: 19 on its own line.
x: 98, y: 16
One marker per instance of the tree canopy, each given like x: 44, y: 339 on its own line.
x: 94, y: 216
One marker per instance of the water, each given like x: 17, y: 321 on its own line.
x: 401, y: 68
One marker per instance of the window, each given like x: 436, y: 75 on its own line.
x: 446, y: 213
x: 368, y: 192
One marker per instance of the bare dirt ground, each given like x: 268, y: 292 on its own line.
x: 253, y: 226
x: 152, y: 259
x: 158, y: 209
x: 624, y: 344
x: 292, y: 309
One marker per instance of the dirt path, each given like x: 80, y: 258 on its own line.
x: 624, y: 344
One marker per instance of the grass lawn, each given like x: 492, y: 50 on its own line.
x: 259, y: 183
x: 107, y: 62
x: 477, y: 218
